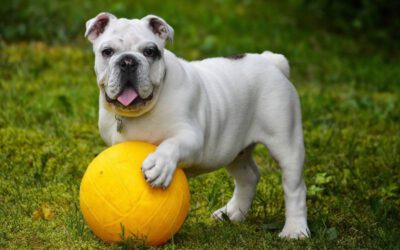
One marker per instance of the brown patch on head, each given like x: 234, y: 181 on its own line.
x: 236, y: 57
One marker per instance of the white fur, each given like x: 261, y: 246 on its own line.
x: 211, y: 113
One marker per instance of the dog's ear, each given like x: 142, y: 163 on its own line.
x: 159, y: 27
x: 96, y: 26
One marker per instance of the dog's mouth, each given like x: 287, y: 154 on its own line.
x: 129, y: 98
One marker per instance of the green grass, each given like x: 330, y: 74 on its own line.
x: 351, y: 116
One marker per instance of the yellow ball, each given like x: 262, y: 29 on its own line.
x: 115, y: 195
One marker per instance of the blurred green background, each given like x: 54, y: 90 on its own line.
x: 344, y: 58
x: 61, y: 21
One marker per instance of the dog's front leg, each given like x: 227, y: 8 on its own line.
x: 159, y: 167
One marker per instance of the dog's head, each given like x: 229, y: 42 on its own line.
x: 129, y: 62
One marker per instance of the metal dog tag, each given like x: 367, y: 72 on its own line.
x: 119, y: 123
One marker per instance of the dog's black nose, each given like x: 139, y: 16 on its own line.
x: 128, y: 63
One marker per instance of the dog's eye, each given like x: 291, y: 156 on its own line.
x: 107, y: 52
x: 149, y: 52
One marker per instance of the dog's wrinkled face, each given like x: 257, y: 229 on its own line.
x: 129, y: 63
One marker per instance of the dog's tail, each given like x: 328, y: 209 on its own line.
x: 279, y: 61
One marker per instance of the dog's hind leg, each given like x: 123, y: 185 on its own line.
x: 245, y: 173
x: 283, y: 136
x: 290, y: 156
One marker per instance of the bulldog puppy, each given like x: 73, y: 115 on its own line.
x: 201, y: 114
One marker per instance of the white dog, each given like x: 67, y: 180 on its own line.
x: 202, y: 114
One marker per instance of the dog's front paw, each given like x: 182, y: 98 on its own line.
x: 158, y: 170
x: 233, y: 211
x: 295, y: 228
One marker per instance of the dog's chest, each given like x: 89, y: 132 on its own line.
x: 116, y: 129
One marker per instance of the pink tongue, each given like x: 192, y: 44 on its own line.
x: 127, y: 96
